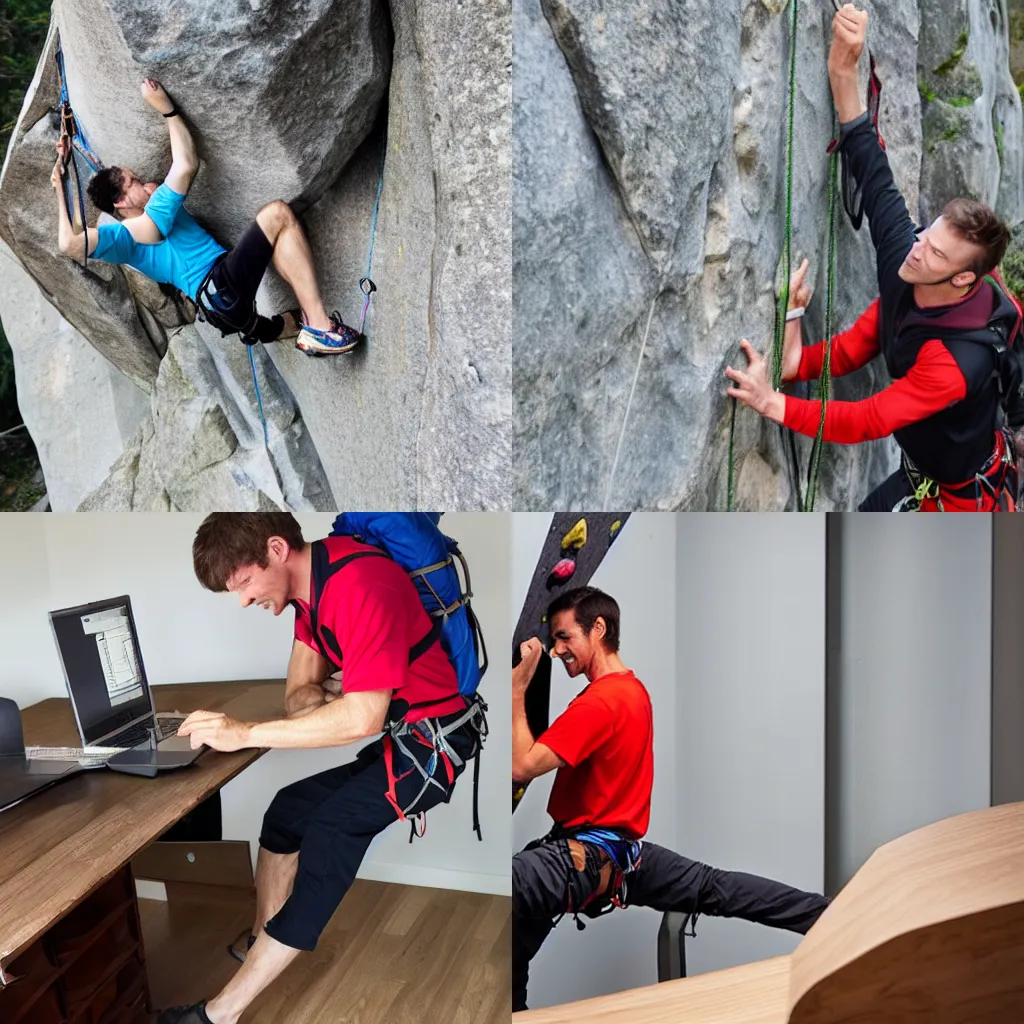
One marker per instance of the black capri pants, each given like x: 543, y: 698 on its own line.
x: 330, y: 819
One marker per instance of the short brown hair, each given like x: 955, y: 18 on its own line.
x: 588, y: 604
x: 227, y: 541
x: 979, y: 224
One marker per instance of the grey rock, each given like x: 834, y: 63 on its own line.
x: 283, y: 103
x: 649, y: 215
x: 79, y: 408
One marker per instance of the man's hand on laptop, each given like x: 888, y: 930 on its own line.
x: 216, y: 730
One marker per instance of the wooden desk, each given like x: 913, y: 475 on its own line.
x: 59, y: 846
x: 755, y: 993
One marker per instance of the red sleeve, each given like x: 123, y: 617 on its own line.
x: 933, y: 383
x: 370, y: 623
x: 851, y: 349
x: 576, y: 733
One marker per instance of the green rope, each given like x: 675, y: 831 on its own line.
x: 825, y: 380
x: 778, y: 332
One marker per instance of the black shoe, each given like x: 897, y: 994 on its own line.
x: 195, y: 1014
x: 235, y: 949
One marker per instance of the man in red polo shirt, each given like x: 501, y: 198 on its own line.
x: 601, y: 747
x: 366, y: 660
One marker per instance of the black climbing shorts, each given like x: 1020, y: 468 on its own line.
x: 237, y: 275
x: 330, y: 819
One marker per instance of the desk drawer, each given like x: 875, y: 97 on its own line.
x: 90, y: 983
x: 35, y: 970
x: 76, y: 932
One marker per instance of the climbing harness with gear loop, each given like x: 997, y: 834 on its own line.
x: 79, y: 149
x: 574, y: 548
x: 400, y: 734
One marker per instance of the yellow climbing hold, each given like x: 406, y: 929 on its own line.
x: 614, y: 529
x: 576, y: 537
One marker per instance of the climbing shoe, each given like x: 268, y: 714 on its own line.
x: 195, y: 1014
x: 333, y: 342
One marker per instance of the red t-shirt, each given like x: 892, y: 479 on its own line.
x: 375, y: 613
x: 606, y: 738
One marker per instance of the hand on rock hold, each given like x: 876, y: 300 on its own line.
x: 849, y: 29
x: 156, y: 96
x: 753, y: 387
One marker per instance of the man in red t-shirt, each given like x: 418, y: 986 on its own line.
x: 366, y: 660
x: 602, y: 749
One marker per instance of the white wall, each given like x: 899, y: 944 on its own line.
x: 750, y: 629
x: 188, y: 634
x: 619, y: 951
x: 911, y: 679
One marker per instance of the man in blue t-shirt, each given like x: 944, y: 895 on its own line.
x: 156, y: 235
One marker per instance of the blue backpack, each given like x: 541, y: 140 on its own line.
x: 414, y: 541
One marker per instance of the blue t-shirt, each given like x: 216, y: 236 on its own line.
x: 183, y: 258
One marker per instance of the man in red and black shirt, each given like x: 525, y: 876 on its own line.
x: 943, y: 322
x: 602, y: 749
x: 366, y: 660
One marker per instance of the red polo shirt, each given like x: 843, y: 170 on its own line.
x: 606, y: 738
x: 374, y: 612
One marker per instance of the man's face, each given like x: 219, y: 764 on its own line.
x: 940, y: 254
x: 267, y: 587
x: 575, y: 648
x: 134, y: 192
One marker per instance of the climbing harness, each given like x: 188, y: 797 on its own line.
x: 574, y: 546
x: 366, y: 285
x: 78, y: 149
x: 997, y: 479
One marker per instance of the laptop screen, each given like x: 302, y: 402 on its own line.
x: 99, y: 649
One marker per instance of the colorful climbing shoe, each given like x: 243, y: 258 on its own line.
x: 337, y: 340
x: 576, y: 537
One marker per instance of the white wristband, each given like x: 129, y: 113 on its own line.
x: 795, y: 313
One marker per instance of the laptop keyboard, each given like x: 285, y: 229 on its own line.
x: 165, y: 728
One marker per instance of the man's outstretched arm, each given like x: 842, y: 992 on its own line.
x: 72, y: 243
x: 530, y: 759
x: 184, y: 160
x: 892, y: 229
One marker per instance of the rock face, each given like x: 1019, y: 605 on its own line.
x: 648, y: 218
x: 296, y: 102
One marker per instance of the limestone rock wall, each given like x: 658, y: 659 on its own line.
x: 295, y: 102
x: 649, y: 169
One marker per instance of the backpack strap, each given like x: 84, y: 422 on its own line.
x: 323, y: 570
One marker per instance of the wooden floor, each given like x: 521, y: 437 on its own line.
x: 392, y: 953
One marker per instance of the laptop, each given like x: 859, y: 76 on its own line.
x: 99, y: 651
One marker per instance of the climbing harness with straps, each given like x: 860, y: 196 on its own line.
x: 398, y: 732
x: 78, y: 150
x: 573, y: 549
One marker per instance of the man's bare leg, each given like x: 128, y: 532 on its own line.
x: 266, y: 961
x: 293, y: 260
x: 275, y: 876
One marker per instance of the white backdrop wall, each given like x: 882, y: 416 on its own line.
x: 910, y: 677
x: 189, y: 635
x: 750, y: 629
x: 618, y: 951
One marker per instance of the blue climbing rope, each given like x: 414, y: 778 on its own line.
x: 259, y: 397
x: 366, y: 285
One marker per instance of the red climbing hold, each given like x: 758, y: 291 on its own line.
x: 563, y: 570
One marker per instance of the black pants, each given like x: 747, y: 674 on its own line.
x: 330, y: 820
x: 892, y: 490
x: 664, y: 881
